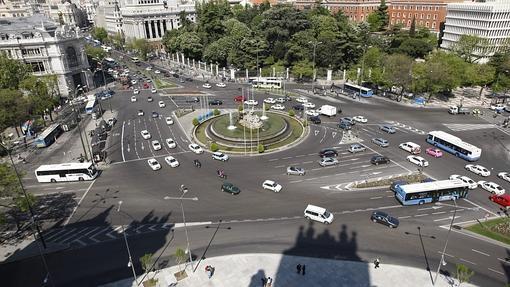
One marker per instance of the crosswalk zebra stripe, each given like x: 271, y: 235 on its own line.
x: 468, y: 127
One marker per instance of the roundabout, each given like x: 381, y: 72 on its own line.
x: 249, y: 131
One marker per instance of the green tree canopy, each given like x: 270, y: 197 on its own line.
x: 471, y: 48
x: 12, y: 72
x: 99, y: 33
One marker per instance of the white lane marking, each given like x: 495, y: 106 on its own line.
x: 440, y: 212
x: 134, y: 137
x: 122, y: 141
x: 462, y: 259
x: 59, y: 192
x: 288, y: 157
x: 376, y: 197
x: 447, y: 218
x: 501, y: 273
x: 273, y: 159
x: 504, y: 261
x: 79, y: 202
x: 402, y: 217
x: 420, y: 215
x: 433, y: 207
x: 279, y: 166
x: 480, y: 252
x: 446, y: 254
x: 324, y: 136
x: 486, y: 210
x: 149, y: 148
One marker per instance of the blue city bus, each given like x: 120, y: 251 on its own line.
x: 48, y: 136
x: 362, y: 91
x: 427, y: 192
x: 454, y: 145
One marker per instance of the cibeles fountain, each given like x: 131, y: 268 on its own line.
x: 244, y: 131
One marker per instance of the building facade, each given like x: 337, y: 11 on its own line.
x: 426, y: 13
x: 355, y: 10
x: 15, y: 8
x: 489, y: 20
x: 50, y: 49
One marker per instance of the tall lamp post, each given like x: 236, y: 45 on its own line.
x: 442, y: 262
x: 25, y: 195
x: 315, y: 44
x: 130, y: 262
x: 184, y: 190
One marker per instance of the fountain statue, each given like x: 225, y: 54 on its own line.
x: 251, y: 120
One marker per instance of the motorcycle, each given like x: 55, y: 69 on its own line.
x: 221, y: 174
x: 197, y: 163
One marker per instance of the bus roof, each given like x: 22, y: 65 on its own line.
x: 72, y: 165
x: 357, y: 87
x: 49, y: 130
x: 455, y: 140
x: 434, y: 185
x: 91, y: 104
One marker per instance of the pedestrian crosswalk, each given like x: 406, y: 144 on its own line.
x: 82, y: 236
x: 469, y: 127
x: 406, y: 127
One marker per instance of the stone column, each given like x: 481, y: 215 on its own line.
x: 233, y: 74
x: 211, y: 68
x: 188, y: 62
x: 183, y: 58
x: 193, y: 63
x: 330, y: 75
x: 217, y: 70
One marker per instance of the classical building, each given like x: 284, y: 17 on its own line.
x: 489, y: 20
x: 67, y: 13
x: 15, y: 8
x: 427, y: 13
x: 147, y: 19
x: 355, y: 10
x: 50, y: 48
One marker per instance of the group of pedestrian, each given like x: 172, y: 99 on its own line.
x: 301, y: 269
x: 267, y: 282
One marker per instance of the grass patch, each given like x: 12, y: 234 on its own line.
x: 497, y: 229
x: 163, y: 84
x: 412, y: 178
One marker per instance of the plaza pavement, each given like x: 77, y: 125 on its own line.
x: 247, y: 270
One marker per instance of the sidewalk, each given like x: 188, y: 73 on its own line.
x: 249, y: 269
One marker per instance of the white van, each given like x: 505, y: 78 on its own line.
x: 410, y: 147
x: 318, y: 214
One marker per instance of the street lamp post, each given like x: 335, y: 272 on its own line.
x: 184, y: 190
x: 442, y: 262
x: 130, y: 262
x: 315, y: 44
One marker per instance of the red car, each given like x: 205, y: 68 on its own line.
x: 503, y: 200
x: 435, y: 152
x: 239, y: 98
x: 145, y: 85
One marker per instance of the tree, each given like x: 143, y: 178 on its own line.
x: 99, y: 33
x: 374, y: 21
x: 480, y: 75
x: 96, y: 53
x: 379, y: 19
x: 189, y: 44
x: 471, y: 48
x: 464, y: 274
x: 12, y: 72
x: 412, y: 29
x: 261, y: 148
x: 141, y: 46
x: 14, y: 108
x: 146, y: 261
x: 303, y: 69
x: 41, y: 100
x: 180, y: 256
x: 214, y: 147
x: 210, y: 18
x: 118, y: 40
x: 397, y: 71
x: 416, y: 48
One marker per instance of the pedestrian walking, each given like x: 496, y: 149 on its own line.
x: 298, y: 268
x: 264, y: 280
x: 303, y: 269
x: 209, y: 269
x: 376, y: 263
x: 269, y: 282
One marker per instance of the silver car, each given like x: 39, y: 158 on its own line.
x: 328, y: 161
x: 294, y: 170
x: 354, y: 148
x: 381, y: 142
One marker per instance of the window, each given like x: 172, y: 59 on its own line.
x: 37, y: 67
x: 72, y: 59
x: 428, y: 16
x: 433, y: 25
x: 435, y: 17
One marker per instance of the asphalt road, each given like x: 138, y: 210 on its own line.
x: 263, y: 221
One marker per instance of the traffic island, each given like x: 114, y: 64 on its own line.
x: 248, y: 131
x: 386, y: 182
x: 497, y: 229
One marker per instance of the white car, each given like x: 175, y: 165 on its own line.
x: 497, y: 107
x: 504, y: 176
x: 195, y: 148
x: 157, y: 72
x: 169, y: 121
x: 221, y: 85
x: 161, y: 104
x: 491, y: 187
x: 277, y: 107
x: 145, y: 134
x: 360, y: 119
x: 149, y: 68
x: 134, y: 82
x: 156, y: 145
x: 465, y: 179
x: 269, y: 101
x: 312, y: 113
x: 153, y: 90
x: 171, y: 161
x: 136, y: 91
x: 207, y: 86
x: 271, y: 185
x: 219, y: 156
x: 140, y: 113
x: 418, y: 160
x: 280, y: 100
x: 133, y: 99
x: 251, y: 103
x: 478, y: 169
x: 302, y: 100
x: 309, y: 105
x: 154, y: 164
x: 170, y: 143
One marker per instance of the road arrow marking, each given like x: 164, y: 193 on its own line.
x: 333, y: 134
x: 316, y: 132
x: 128, y: 148
x: 142, y: 146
